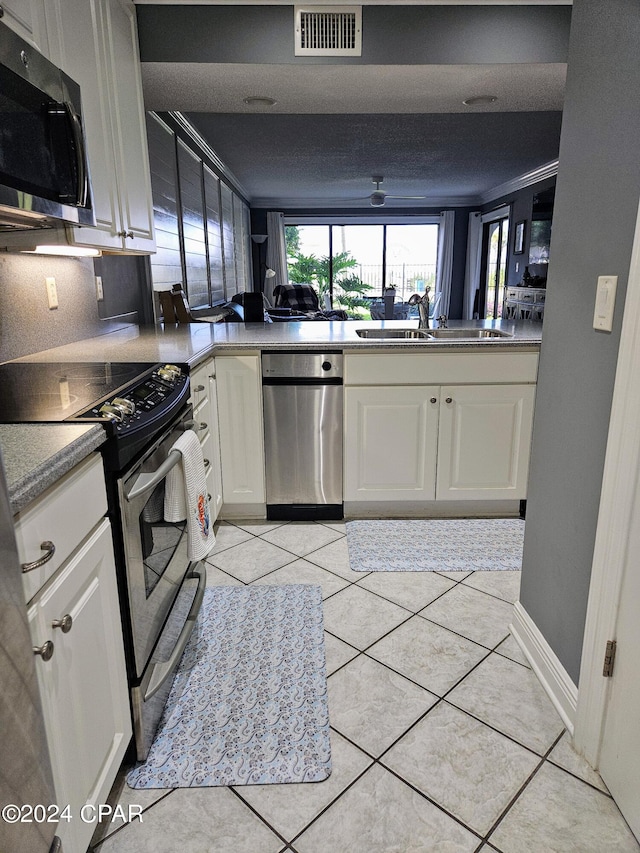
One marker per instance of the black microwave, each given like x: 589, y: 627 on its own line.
x: 44, y: 173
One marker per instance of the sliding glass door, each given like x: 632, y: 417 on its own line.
x: 496, y: 240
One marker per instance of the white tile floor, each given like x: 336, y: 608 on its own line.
x: 443, y: 740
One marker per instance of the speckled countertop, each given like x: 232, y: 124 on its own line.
x: 36, y: 456
x: 190, y: 343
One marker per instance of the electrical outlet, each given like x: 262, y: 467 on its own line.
x: 99, y: 290
x: 52, y: 292
x: 517, y: 266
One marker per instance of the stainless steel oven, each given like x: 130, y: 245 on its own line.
x: 143, y: 409
x: 164, y: 589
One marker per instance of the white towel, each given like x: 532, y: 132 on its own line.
x: 185, y: 496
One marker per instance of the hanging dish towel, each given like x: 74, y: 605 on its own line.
x: 186, y: 496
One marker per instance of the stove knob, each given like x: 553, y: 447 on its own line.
x: 170, y: 372
x: 107, y: 410
x: 127, y: 406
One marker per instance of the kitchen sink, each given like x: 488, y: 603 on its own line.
x: 385, y: 334
x: 431, y: 334
x: 466, y: 333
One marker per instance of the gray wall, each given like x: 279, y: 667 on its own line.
x: 27, y: 325
x: 393, y: 34
x: 596, y: 205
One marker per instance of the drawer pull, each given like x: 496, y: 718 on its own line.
x: 50, y: 549
x: 434, y: 399
x: 65, y: 624
x: 45, y: 650
x: 449, y: 400
x: 202, y: 425
x: 206, y: 463
x: 199, y: 388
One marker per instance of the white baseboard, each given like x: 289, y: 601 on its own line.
x: 552, y: 675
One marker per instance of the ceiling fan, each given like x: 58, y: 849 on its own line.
x: 378, y: 196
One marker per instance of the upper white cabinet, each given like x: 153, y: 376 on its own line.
x: 95, y: 42
x: 27, y: 19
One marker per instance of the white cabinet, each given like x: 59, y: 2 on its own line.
x: 27, y: 19
x: 391, y: 438
x: 438, y: 442
x: 83, y: 685
x: 95, y: 43
x: 239, y: 387
x: 484, y: 440
x: 205, y: 412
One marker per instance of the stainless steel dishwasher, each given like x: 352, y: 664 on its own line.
x: 302, y: 394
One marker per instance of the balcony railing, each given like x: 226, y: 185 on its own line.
x: 406, y: 278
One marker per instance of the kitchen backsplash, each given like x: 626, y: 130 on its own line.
x: 27, y: 324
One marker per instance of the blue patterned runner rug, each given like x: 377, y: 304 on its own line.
x: 248, y: 705
x: 435, y: 545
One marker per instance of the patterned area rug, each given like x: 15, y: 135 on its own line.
x: 248, y: 704
x: 434, y: 545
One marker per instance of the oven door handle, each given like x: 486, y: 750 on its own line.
x: 146, y: 482
x: 161, y: 671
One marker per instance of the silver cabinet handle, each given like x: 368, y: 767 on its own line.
x: 449, y: 400
x: 199, y: 388
x: 193, y: 425
x: 206, y: 463
x: 45, y: 650
x: 50, y: 550
x: 65, y: 624
x: 434, y: 399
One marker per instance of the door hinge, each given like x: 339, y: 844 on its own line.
x: 609, y: 659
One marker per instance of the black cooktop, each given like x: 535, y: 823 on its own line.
x: 51, y: 392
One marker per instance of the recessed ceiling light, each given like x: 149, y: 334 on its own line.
x: 259, y: 101
x: 480, y: 100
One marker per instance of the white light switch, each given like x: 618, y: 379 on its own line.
x: 605, y: 302
x: 99, y: 290
x: 52, y: 292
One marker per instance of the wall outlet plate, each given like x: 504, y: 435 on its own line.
x: 52, y: 292
x: 99, y: 290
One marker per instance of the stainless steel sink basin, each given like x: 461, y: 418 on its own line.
x: 467, y: 333
x: 386, y: 334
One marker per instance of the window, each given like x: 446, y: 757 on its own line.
x: 350, y: 263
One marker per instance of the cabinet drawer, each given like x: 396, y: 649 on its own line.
x: 63, y: 515
x: 199, y: 379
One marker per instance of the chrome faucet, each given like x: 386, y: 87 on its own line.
x: 423, y: 307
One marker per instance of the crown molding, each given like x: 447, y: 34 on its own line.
x: 549, y: 170
x: 223, y: 170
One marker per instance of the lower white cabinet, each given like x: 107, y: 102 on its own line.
x: 239, y: 394
x: 430, y: 442
x: 205, y: 411
x: 484, y: 440
x: 83, y: 685
x: 391, y: 436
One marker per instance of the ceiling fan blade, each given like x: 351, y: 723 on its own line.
x: 406, y: 196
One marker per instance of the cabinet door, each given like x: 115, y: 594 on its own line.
x: 84, y: 685
x: 390, y: 443
x: 215, y: 477
x: 241, y: 434
x: 27, y: 19
x: 484, y: 442
x: 77, y: 45
x: 132, y: 156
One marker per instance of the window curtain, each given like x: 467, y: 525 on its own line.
x: 444, y: 268
x: 276, y: 254
x: 472, y: 270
